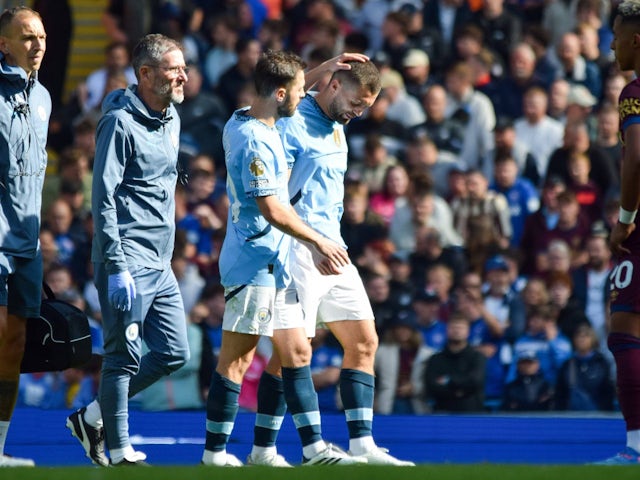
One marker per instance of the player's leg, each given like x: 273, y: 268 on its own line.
x: 269, y: 416
x: 248, y: 314
x: 236, y: 354
x: 624, y: 344
x: 348, y: 314
x: 20, y: 291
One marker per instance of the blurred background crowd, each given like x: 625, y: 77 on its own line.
x: 480, y: 191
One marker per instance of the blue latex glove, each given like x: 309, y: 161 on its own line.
x: 122, y: 290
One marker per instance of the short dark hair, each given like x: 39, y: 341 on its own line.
x: 276, y: 70
x: 362, y: 74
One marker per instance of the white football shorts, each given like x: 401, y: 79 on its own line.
x: 327, y: 298
x: 258, y: 310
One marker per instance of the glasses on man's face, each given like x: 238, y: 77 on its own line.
x: 174, y: 71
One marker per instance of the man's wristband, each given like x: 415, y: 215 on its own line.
x: 626, y: 217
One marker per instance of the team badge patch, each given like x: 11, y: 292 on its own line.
x: 264, y: 315
x: 336, y: 136
x: 132, y: 332
x: 257, y: 167
x: 42, y: 113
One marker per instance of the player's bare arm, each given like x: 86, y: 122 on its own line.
x: 284, y: 218
x: 332, y: 65
x: 630, y: 189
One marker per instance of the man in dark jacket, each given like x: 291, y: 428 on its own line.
x: 455, y: 377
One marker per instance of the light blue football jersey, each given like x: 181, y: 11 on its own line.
x: 316, y: 151
x: 253, y: 251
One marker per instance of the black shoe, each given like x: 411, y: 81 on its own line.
x: 91, y: 438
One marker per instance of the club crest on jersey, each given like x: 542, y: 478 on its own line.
x: 264, y: 315
x: 336, y: 137
x: 256, y: 167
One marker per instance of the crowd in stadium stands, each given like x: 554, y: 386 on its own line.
x: 481, y: 188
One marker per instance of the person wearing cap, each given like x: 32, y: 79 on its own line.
x: 426, y: 304
x: 529, y: 391
x: 415, y: 70
x: 401, y: 360
x: 455, y: 377
x: 403, y: 107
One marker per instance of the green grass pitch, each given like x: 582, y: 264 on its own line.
x: 421, y: 472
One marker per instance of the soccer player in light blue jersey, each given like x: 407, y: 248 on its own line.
x: 253, y: 268
x: 316, y: 149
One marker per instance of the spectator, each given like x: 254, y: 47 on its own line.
x: 574, y: 67
x: 587, y: 192
x: 538, y: 226
x: 59, y: 278
x: 481, y: 202
x: 426, y: 305
x: 538, y: 132
x: 394, y: 193
x: 507, y: 95
x: 591, y: 285
x: 424, y: 209
x: 241, y: 73
x: 455, y: 377
x: 607, y: 138
x: 559, y: 100
x: 373, y: 170
x: 395, y: 34
x: 392, y: 132
x: 446, y: 16
x: 73, y: 165
x: 447, y: 133
x: 501, y: 302
x: 202, y: 117
x: 613, y: 85
x: 572, y: 228
x: 535, y: 294
x: 59, y: 220
x: 415, y: 71
x: 546, y: 63
x: 569, y: 314
x: 594, y: 13
x: 324, y: 35
x: 430, y: 250
x: 378, y: 291
x: 529, y: 391
x: 576, y: 138
x: 543, y: 337
x: 478, y: 139
x: 521, y: 195
x: 590, y: 46
x: 116, y: 60
x: 501, y: 27
x: 359, y: 223
x: 400, y: 285
x: 422, y: 155
x: 401, y: 360
x: 403, y: 107
x: 584, y: 381
x: 506, y: 143
x: 439, y: 278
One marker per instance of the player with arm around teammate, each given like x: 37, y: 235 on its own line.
x: 316, y: 149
